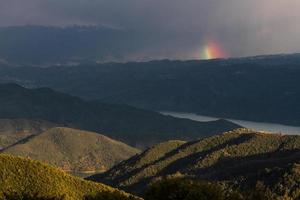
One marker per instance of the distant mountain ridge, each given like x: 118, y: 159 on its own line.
x: 73, y: 150
x: 262, y: 88
x: 133, y: 126
x: 239, y: 158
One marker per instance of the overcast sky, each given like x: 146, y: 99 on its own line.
x: 174, y: 28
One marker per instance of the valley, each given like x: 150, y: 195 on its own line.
x: 110, y: 141
x: 261, y: 88
x: 133, y: 148
x: 137, y: 127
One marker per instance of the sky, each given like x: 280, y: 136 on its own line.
x: 183, y: 29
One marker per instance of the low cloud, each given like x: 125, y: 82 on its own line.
x: 173, y: 28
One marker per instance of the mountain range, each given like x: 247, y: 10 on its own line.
x: 262, y: 88
x: 136, y: 127
x: 66, y: 113
x: 239, y: 158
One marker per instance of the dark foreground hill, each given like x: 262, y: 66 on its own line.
x: 74, y: 150
x: 131, y: 125
x: 239, y: 158
x: 15, y: 130
x: 255, y: 88
x: 22, y: 178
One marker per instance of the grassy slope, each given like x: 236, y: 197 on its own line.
x: 237, y: 156
x: 14, y: 130
x: 31, y: 177
x: 74, y: 150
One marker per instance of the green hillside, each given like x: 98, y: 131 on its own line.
x: 74, y: 150
x: 241, y: 158
x: 24, y: 177
x: 133, y: 126
x: 14, y: 130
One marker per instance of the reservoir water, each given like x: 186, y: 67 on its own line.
x: 257, y: 126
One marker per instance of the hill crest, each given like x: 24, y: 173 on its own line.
x: 238, y: 157
x: 74, y: 150
x: 15, y: 130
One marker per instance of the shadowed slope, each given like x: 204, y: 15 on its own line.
x: 133, y: 126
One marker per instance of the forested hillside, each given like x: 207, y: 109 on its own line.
x: 239, y: 158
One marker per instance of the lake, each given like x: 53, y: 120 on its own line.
x: 257, y: 126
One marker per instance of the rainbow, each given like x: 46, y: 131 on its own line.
x: 212, y: 50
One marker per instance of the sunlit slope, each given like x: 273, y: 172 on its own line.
x: 74, y: 150
x: 26, y: 177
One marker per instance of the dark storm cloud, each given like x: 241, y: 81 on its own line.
x: 174, y: 28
